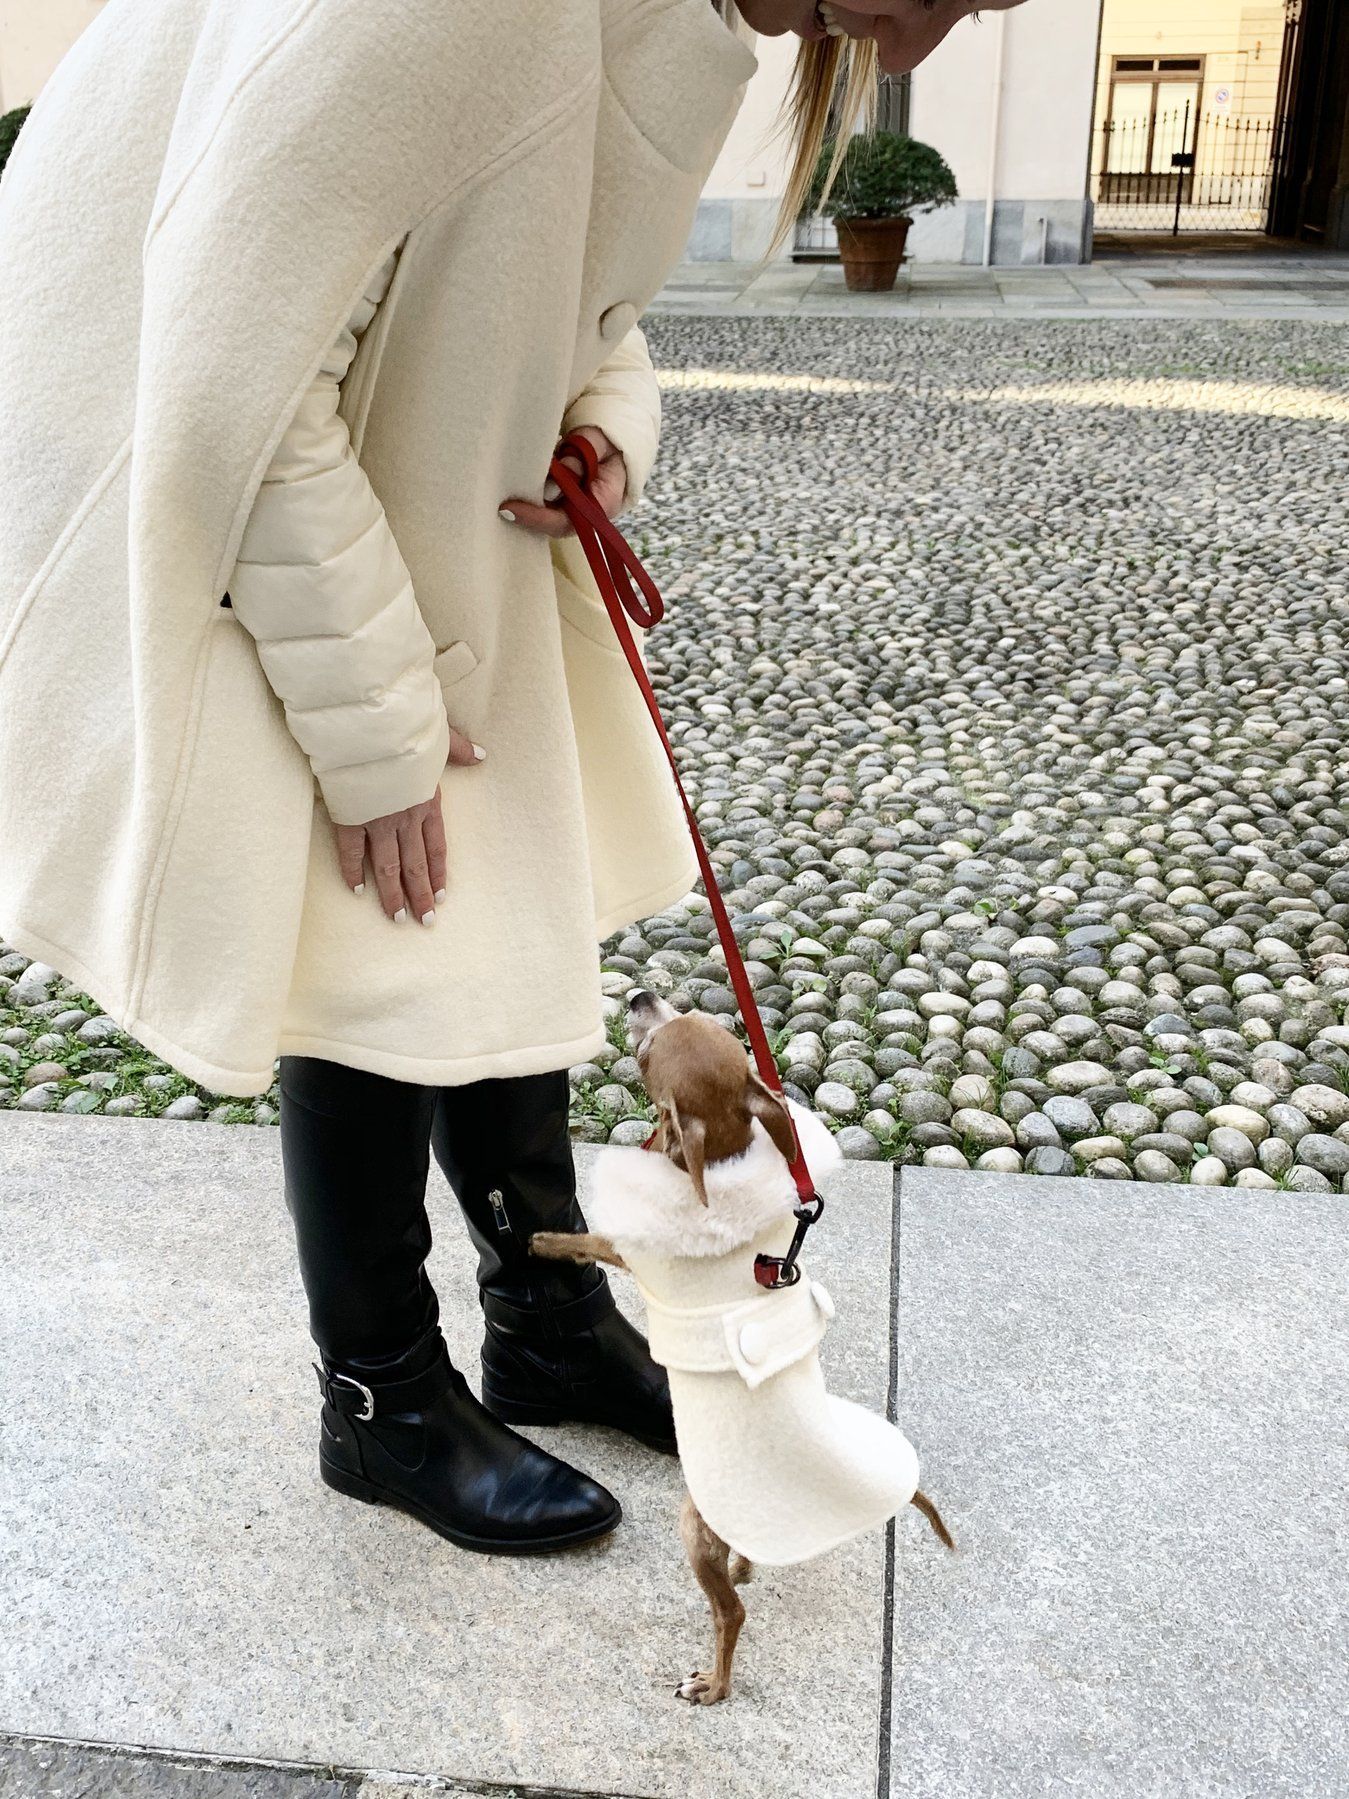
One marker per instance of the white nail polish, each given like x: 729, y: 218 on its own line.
x: 400, y: 915
x: 428, y: 917
x: 359, y: 887
x: 508, y: 516
x: 440, y: 895
x: 479, y: 753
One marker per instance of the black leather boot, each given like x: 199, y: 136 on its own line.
x: 399, y: 1424
x: 556, y: 1348
x: 411, y: 1435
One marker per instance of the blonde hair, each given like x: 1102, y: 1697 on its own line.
x: 834, y: 89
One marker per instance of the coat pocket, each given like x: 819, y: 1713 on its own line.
x: 586, y: 613
x: 454, y: 662
x: 683, y: 122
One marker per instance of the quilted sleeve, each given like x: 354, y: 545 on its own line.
x: 623, y: 400
x: 323, y: 590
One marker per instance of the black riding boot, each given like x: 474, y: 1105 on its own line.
x: 399, y: 1424
x: 555, y: 1348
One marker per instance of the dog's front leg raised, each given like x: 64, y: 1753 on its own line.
x: 574, y: 1246
x: 710, y: 1560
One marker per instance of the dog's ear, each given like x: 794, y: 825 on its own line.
x: 771, y: 1110
x: 691, y: 1136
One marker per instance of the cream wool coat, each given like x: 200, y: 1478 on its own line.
x: 187, y: 222
x: 780, y: 1468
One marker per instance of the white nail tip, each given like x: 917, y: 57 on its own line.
x: 440, y: 894
x: 479, y: 753
x: 400, y: 915
x: 359, y: 887
x: 428, y: 918
x: 508, y: 516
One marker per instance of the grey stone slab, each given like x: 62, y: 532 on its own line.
x: 37, y: 1768
x: 1130, y: 1402
x: 177, y: 1578
x: 1020, y: 286
x: 57, y: 1770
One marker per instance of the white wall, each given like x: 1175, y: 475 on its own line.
x: 1049, y: 76
x: 752, y: 163
x: 34, y: 36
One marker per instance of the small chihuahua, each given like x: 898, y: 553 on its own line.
x: 692, y: 1234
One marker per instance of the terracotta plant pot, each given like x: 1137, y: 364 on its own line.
x: 872, y: 250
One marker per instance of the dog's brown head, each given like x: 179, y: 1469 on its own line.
x: 706, y: 1091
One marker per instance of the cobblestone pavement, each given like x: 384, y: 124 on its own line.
x: 1009, y: 665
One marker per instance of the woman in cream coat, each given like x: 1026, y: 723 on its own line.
x: 308, y: 748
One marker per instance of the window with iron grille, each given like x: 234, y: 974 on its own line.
x: 1153, y: 102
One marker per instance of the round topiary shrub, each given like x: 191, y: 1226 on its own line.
x: 883, y: 175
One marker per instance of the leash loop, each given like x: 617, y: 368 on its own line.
x: 613, y: 561
x: 629, y: 593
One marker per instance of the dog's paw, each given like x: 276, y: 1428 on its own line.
x: 702, y: 1689
x: 740, y: 1570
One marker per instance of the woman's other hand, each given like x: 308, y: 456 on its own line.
x: 406, y: 849
x: 608, y: 490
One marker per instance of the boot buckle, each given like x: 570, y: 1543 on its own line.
x: 328, y: 1381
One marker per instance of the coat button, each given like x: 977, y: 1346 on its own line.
x: 753, y: 1343
x: 617, y: 321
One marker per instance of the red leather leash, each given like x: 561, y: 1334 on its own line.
x: 629, y: 592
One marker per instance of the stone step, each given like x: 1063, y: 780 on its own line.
x: 1128, y: 1401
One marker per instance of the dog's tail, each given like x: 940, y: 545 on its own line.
x: 934, y: 1517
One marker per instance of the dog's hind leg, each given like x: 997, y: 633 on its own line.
x: 709, y: 1558
x: 741, y: 1570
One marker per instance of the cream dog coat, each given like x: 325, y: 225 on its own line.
x: 778, y: 1468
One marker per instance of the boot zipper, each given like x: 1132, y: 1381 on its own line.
x: 498, y: 1205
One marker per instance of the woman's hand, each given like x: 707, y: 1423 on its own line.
x: 406, y: 849
x: 607, y: 490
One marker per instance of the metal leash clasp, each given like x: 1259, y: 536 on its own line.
x: 781, y: 1271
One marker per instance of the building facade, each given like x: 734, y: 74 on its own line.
x: 1066, y: 119
x: 1007, y: 99
x: 1199, y: 82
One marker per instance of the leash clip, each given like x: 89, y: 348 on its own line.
x: 774, y: 1272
